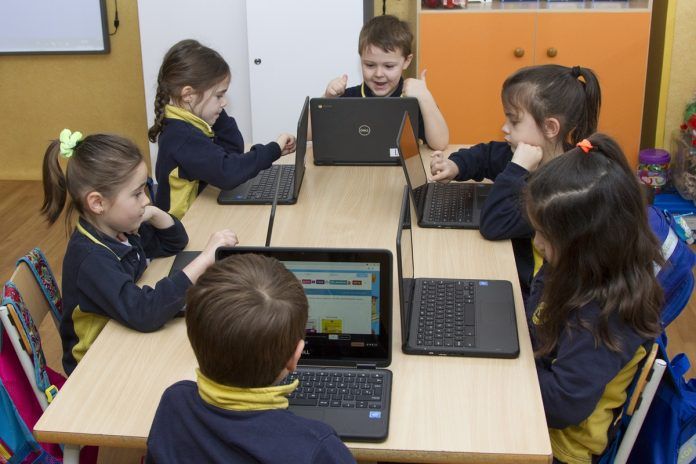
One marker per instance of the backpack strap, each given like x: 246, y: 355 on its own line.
x: 38, y: 264
x: 29, y: 334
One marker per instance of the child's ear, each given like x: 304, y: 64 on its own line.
x: 295, y: 358
x: 552, y: 127
x: 187, y: 94
x: 95, y: 203
x: 407, y: 63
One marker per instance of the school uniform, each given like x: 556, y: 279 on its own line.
x: 214, y: 423
x: 502, y: 216
x: 364, y: 91
x: 192, y: 154
x: 582, y: 384
x: 99, y: 284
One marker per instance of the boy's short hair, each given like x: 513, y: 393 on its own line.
x: 386, y: 32
x: 244, y: 318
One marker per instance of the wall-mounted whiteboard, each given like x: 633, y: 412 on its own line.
x: 53, y: 26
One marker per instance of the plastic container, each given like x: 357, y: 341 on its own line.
x: 684, y: 165
x: 653, y: 168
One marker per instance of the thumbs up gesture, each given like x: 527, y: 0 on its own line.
x: 416, y: 87
x: 336, y: 87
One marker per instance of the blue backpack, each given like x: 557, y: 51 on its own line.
x: 675, y: 276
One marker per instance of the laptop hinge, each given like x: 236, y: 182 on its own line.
x: 366, y: 366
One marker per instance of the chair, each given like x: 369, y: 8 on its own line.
x: 30, y: 294
x: 633, y: 414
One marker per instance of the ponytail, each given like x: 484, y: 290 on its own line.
x: 587, y: 123
x: 161, y: 100
x: 53, y: 184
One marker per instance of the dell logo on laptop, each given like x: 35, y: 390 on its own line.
x: 364, y: 130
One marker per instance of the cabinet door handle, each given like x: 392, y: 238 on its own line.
x: 551, y: 52
x: 519, y: 52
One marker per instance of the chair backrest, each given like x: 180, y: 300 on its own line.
x: 35, y: 281
x: 636, y: 407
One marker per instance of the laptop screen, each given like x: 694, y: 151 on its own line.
x: 408, y: 148
x: 350, y: 300
x: 301, y: 145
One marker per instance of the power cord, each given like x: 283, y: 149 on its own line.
x: 116, y: 21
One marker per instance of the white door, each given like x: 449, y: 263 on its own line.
x: 295, y: 48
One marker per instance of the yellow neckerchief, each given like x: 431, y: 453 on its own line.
x: 84, y: 232
x: 362, y: 90
x: 244, y: 399
x: 174, y: 112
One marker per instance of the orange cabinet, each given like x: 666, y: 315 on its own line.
x: 468, y: 55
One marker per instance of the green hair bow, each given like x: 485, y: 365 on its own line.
x: 68, y: 142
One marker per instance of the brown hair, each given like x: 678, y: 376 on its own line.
x: 244, y: 318
x: 186, y: 63
x: 571, y: 95
x: 100, y: 162
x: 386, y: 32
x: 591, y: 209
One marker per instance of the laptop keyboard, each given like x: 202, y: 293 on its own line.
x: 265, y: 183
x: 446, y: 314
x: 337, y: 388
x: 452, y: 203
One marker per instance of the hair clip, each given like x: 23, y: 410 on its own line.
x: 68, y: 142
x: 585, y: 145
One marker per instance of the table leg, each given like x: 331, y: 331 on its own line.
x: 71, y: 454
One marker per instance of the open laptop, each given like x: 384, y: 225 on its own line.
x: 183, y: 258
x: 348, y: 337
x: 452, y: 317
x: 456, y: 205
x: 358, y: 131
x: 260, y: 189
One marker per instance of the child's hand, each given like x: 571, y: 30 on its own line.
x: 442, y: 169
x: 527, y: 156
x: 207, y: 257
x: 416, y: 87
x: 158, y: 218
x: 336, y: 87
x: 287, y: 143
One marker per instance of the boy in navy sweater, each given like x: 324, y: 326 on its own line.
x: 246, y: 321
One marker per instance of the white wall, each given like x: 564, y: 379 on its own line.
x: 218, y: 24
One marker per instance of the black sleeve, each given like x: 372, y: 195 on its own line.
x: 502, y: 216
x: 227, y: 133
x: 163, y: 242
x: 482, y: 161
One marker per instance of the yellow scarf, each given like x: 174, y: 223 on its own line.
x: 174, y: 112
x: 244, y: 399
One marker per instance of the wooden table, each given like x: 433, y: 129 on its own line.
x: 444, y: 409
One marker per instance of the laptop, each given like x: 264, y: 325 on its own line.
x: 455, y: 205
x: 348, y: 337
x: 183, y: 258
x: 260, y: 189
x: 358, y: 131
x: 452, y: 317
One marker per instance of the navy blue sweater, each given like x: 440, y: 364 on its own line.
x: 573, y: 378
x: 219, y: 161
x: 99, y: 283
x: 502, y: 216
x: 186, y: 429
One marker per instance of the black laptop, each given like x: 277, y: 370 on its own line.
x: 452, y: 317
x: 261, y: 189
x: 358, y: 131
x: 456, y: 205
x: 348, y: 337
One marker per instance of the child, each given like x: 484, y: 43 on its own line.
x: 117, y: 232
x: 246, y: 321
x: 596, y: 301
x: 548, y: 109
x: 385, y: 52
x: 199, y: 143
